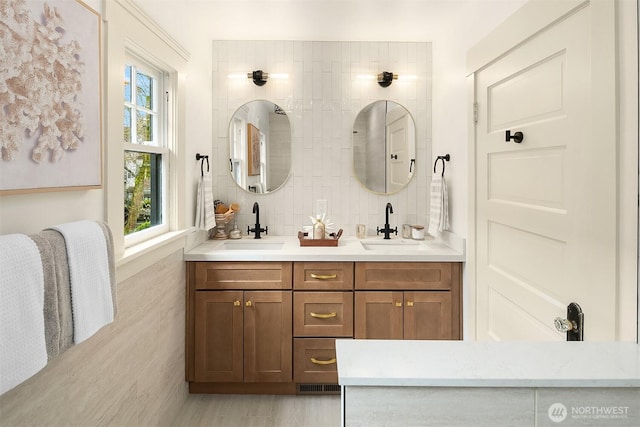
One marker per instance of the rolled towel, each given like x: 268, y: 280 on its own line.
x: 23, y: 350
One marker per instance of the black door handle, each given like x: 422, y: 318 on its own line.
x: 517, y: 137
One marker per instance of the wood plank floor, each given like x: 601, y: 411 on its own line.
x: 213, y: 410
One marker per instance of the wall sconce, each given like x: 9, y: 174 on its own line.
x: 385, y: 78
x: 259, y: 77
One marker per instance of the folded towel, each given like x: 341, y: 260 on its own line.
x: 91, y: 291
x: 205, y: 213
x: 439, y: 199
x: 59, y: 249
x: 23, y: 350
x: 51, y: 308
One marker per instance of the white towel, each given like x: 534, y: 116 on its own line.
x: 205, y: 213
x: 439, y: 212
x: 23, y: 350
x: 91, y: 298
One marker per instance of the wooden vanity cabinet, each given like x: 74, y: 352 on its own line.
x: 407, y: 301
x: 270, y: 327
x: 241, y: 335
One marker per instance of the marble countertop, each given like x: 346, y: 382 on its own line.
x: 450, y: 248
x: 487, y: 364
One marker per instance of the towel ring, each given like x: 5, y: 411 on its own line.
x: 443, y: 158
x: 202, y: 158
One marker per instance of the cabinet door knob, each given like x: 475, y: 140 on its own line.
x: 323, y: 276
x: 398, y: 304
x: 248, y: 303
x: 409, y: 303
x: 322, y: 362
x: 323, y: 315
x: 236, y: 303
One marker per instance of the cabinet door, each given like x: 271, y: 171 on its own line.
x: 378, y: 315
x: 218, y: 336
x: 268, y: 338
x: 427, y: 316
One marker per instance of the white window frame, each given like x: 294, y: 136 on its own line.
x: 162, y: 135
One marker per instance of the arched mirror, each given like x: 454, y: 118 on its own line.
x: 260, y: 146
x: 384, y: 147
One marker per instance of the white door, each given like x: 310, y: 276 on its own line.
x: 545, y: 207
x: 397, y: 149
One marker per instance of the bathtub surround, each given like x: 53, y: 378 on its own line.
x: 130, y: 373
x: 322, y: 98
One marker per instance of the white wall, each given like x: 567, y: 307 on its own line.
x: 322, y: 98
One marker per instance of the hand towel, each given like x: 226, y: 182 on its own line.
x: 91, y: 298
x: 205, y: 213
x: 51, y: 309
x: 23, y: 349
x: 439, y: 211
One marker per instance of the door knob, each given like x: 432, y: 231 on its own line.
x: 573, y: 325
x: 248, y: 303
x: 517, y: 137
x: 564, y: 325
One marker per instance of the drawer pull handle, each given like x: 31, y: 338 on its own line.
x: 409, y: 303
x: 398, y: 304
x: 323, y: 276
x: 248, y: 304
x: 323, y: 362
x: 236, y: 303
x: 323, y: 315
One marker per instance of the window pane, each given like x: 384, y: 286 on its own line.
x: 127, y: 83
x: 142, y: 191
x: 144, y: 128
x: 127, y: 124
x: 144, y: 92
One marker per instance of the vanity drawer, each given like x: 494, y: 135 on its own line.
x: 406, y: 275
x: 323, y: 314
x: 314, y: 360
x: 243, y: 275
x: 323, y: 275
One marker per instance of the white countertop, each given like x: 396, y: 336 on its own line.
x: 487, y: 364
x: 348, y: 249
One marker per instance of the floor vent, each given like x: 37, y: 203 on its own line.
x: 318, y: 389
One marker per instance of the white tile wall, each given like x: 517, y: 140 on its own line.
x: 322, y: 98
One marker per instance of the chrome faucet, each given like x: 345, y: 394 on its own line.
x: 257, y: 230
x: 387, y: 228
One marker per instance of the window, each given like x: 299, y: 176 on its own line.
x: 146, y: 151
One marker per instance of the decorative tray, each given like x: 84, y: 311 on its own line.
x: 332, y: 241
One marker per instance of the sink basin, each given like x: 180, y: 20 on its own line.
x: 252, y: 245
x: 390, y: 245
